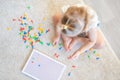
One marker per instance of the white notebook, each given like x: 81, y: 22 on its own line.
x: 41, y: 67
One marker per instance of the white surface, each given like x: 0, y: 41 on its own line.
x: 43, y: 67
x: 13, y: 53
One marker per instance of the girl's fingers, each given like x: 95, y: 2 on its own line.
x: 72, y: 57
x: 55, y: 41
x: 75, y: 55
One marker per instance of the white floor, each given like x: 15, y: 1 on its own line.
x: 93, y: 65
x: 109, y: 13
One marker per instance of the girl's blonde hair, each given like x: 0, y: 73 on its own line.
x: 73, y: 20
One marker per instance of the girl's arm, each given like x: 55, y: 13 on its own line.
x: 89, y: 43
x: 57, y: 34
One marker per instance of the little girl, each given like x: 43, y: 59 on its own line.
x: 78, y: 23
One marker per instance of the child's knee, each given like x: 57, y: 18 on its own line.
x: 99, y: 45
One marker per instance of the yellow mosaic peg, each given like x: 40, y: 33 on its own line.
x: 8, y: 28
x: 91, y: 49
x: 35, y: 34
x: 40, y: 25
x: 29, y: 40
x: 98, y: 55
x: 54, y: 46
x: 44, y: 18
x: 25, y: 15
x: 28, y: 19
x: 22, y: 22
x: 41, y: 30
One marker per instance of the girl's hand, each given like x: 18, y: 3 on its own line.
x: 74, y: 55
x: 55, y: 40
